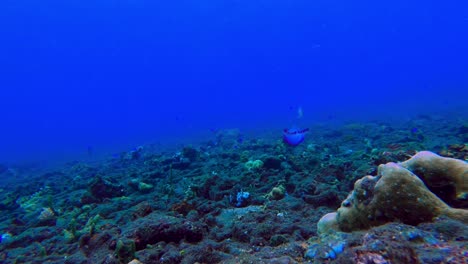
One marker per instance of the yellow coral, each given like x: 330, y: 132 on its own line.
x: 277, y: 193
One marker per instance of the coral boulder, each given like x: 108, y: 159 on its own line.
x: 400, y: 193
x: 446, y: 177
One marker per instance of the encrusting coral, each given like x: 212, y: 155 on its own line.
x: 399, y: 193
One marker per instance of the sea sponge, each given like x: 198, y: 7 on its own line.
x: 397, y: 194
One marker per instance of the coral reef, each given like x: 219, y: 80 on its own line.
x: 250, y: 199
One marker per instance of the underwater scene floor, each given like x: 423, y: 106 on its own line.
x: 354, y: 193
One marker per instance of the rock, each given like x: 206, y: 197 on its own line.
x: 102, y: 189
x: 326, y: 198
x: 155, y: 228
x: 96, y: 246
x: 277, y: 240
x: 272, y: 163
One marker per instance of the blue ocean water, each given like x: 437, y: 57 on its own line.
x: 111, y: 75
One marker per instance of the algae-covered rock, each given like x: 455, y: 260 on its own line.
x: 397, y: 194
x: 100, y: 189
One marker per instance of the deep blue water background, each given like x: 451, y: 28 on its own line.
x: 115, y: 74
